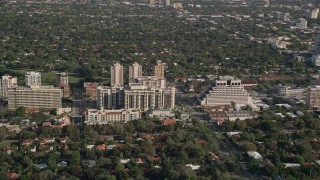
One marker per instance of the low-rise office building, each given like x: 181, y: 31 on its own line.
x: 102, y: 116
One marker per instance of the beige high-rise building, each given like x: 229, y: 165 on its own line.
x: 62, y: 79
x: 135, y: 70
x: 35, y: 97
x: 313, y: 98
x: 7, y: 82
x: 116, y: 75
x: 159, y: 69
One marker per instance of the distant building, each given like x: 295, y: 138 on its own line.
x: 33, y: 78
x: 266, y: 3
x: 135, y: 70
x: 94, y: 116
x: 313, y: 98
x: 282, y: 16
x: 314, y: 13
x: 159, y: 69
x: 177, y: 5
x: 315, y: 59
x: 226, y: 89
x: 302, y: 23
x: 150, y: 81
x: 90, y: 90
x: 62, y: 79
x: 167, y: 3
x: 7, y: 82
x: 290, y: 91
x: 116, y: 75
x: 35, y: 97
x: 317, y: 46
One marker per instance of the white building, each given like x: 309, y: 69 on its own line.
x: 116, y: 75
x: 7, y: 82
x: 226, y: 89
x: 95, y: 116
x: 33, y: 78
x: 314, y: 13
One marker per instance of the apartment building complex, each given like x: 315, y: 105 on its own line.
x: 94, y: 116
x: 35, y: 96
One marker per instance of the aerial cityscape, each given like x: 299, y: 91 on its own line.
x: 159, y: 89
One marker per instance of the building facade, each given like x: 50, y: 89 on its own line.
x: 35, y: 97
x: 94, y: 116
x: 7, y: 82
x: 62, y: 79
x: 90, y: 90
x: 110, y: 97
x: 150, y: 81
x: 159, y: 69
x: 313, y: 98
x: 140, y: 97
x: 116, y: 75
x: 314, y: 13
x: 33, y: 78
x: 135, y: 70
x: 225, y: 90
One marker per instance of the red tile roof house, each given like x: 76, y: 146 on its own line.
x: 64, y: 140
x: 168, y: 121
x: 47, y: 140
x: 200, y: 141
x: 11, y: 176
x: 28, y: 142
x: 101, y: 147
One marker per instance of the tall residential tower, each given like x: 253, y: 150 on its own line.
x: 135, y: 70
x: 116, y: 75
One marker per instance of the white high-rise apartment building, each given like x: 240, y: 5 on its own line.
x: 116, y: 75
x: 33, y: 78
x: 7, y: 82
x: 314, y: 13
x: 135, y: 70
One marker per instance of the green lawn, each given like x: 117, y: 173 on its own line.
x: 48, y: 78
